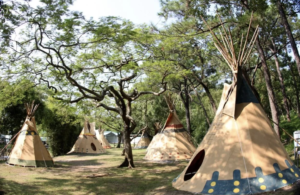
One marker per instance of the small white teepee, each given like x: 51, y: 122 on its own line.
x: 87, y: 142
x: 144, y: 140
x: 173, y: 142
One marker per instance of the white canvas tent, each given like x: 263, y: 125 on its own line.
x: 87, y: 141
x: 172, y: 143
x: 100, y: 136
x: 143, y: 141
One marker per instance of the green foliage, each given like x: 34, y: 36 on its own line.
x: 97, y: 54
x: 199, y: 131
x: 62, y: 134
x: 14, y: 93
x: 289, y: 148
x: 290, y: 127
x: 150, y: 110
x: 55, y: 120
x: 12, y: 110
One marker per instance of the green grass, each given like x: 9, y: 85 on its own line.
x: 70, y: 171
x: 68, y: 177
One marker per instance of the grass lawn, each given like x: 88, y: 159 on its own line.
x: 70, y: 171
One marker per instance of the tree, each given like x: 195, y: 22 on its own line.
x: 12, y: 111
x: 282, y: 87
x: 186, y: 43
x: 56, y: 121
x: 289, y: 33
x: 61, y: 122
x: 189, y: 12
x: 85, y: 59
x: 184, y: 93
x: 207, y: 119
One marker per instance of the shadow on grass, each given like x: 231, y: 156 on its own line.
x: 69, y: 176
x: 145, y: 179
x: 75, y: 162
x: 121, y: 181
x: 11, y: 187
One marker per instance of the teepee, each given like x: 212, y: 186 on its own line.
x: 144, y: 141
x: 173, y: 142
x: 241, y: 153
x: 87, y: 142
x: 100, y: 136
x: 29, y: 150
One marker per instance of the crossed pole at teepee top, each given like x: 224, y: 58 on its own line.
x: 225, y: 45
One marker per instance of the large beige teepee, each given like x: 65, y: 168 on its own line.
x: 173, y: 142
x: 87, y: 142
x: 29, y: 150
x: 241, y: 153
x: 100, y: 136
x: 144, y: 140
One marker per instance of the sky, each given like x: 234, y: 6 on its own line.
x: 137, y: 11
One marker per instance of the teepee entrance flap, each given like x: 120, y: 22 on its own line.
x: 245, y: 94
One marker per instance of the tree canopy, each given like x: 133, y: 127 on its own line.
x: 114, y: 71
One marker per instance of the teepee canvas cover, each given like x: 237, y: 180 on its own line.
x: 144, y: 141
x: 241, y: 153
x: 87, y: 142
x: 172, y: 143
x: 100, y: 136
x: 29, y: 150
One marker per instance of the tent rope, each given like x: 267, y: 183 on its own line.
x: 242, y: 151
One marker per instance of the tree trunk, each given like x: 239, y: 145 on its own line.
x: 290, y: 103
x: 271, y: 94
x: 202, y: 106
x: 211, y: 99
x: 120, y: 136
x: 128, y: 161
x: 289, y: 34
x: 157, y: 127
x: 186, y: 102
x: 199, y: 79
x: 204, y: 110
x: 296, y: 89
x: 294, y: 84
x: 282, y: 89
